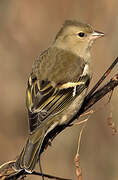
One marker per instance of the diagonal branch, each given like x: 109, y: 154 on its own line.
x: 107, y: 72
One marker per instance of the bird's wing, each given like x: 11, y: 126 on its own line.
x: 44, y: 101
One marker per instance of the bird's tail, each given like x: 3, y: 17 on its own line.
x: 30, y: 153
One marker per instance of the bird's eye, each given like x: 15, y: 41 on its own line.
x: 81, y: 34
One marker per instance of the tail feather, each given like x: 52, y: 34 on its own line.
x: 29, y: 155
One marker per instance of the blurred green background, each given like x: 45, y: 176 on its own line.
x: 26, y: 28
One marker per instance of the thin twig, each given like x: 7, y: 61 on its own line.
x: 77, y: 164
x: 40, y: 167
x: 80, y: 136
x: 20, y: 174
x: 81, y: 122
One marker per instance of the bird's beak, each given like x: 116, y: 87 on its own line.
x: 96, y: 34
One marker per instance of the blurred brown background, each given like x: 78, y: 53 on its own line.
x: 26, y: 28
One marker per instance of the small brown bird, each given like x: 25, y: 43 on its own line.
x: 57, y: 86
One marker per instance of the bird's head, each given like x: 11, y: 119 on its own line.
x: 76, y: 36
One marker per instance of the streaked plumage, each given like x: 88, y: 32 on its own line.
x: 57, y: 85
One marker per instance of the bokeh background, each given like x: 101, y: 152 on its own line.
x: 27, y: 28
